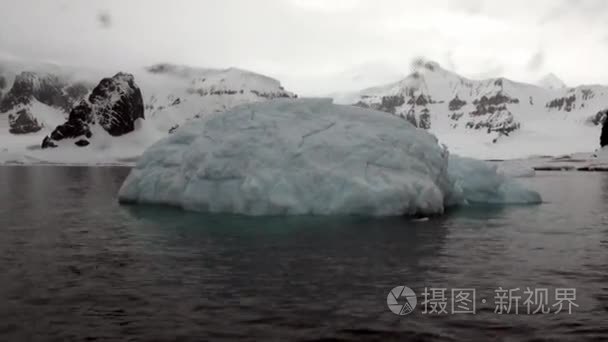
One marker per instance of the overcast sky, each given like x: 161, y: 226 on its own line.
x: 315, y: 46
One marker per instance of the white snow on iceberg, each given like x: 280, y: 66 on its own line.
x: 308, y: 156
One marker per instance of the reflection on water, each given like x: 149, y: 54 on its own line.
x: 76, y: 265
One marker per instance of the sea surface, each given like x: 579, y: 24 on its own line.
x: 75, y: 265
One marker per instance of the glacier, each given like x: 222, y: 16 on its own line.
x: 311, y: 157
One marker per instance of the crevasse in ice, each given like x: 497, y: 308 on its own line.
x: 310, y: 156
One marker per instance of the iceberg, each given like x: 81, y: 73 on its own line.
x: 478, y: 182
x: 309, y: 157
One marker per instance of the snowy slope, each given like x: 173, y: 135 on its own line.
x: 176, y: 94
x: 493, y: 118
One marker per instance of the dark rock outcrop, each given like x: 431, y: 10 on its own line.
x: 501, y: 121
x: 562, y: 103
x: 115, y: 104
x: 2, y: 86
x: 390, y: 103
x: 46, y: 88
x: 82, y: 143
x: 76, y: 92
x: 456, y: 104
x: 488, y: 105
x: 425, y: 119
x: 599, y: 118
x: 23, y: 122
x: 604, y: 136
x: 420, y: 100
x: 456, y: 116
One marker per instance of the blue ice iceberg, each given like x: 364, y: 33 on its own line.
x: 309, y: 156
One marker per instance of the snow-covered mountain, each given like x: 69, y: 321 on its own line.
x: 175, y: 94
x: 493, y: 118
x: 114, y: 106
x: 30, y: 100
x: 38, y: 99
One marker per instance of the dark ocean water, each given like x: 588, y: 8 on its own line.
x: 75, y: 265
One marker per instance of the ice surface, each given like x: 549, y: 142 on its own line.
x: 295, y: 157
x: 516, y: 168
x: 477, y: 182
x: 292, y: 157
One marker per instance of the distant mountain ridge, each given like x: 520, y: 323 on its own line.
x: 440, y: 100
x: 174, y: 94
x: 36, y: 99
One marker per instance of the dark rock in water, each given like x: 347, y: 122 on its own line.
x: 604, y: 136
x: 115, y: 104
x: 23, y: 122
x: 82, y: 143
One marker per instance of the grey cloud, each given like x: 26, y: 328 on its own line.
x: 449, y: 58
x: 491, y: 72
x: 281, y: 39
x: 417, y: 64
x: 469, y: 6
x: 536, y: 62
x: 556, y: 12
x: 588, y: 9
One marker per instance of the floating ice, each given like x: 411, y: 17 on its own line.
x: 295, y: 157
x: 477, y: 182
